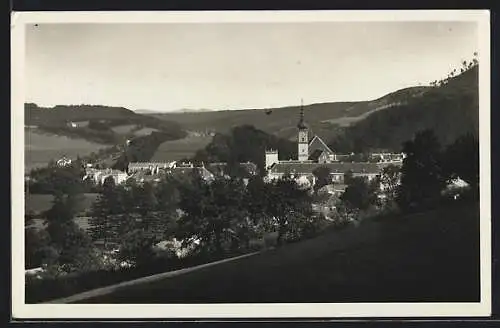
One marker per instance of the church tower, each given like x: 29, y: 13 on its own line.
x: 303, y: 142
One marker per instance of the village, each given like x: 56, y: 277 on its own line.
x: 313, y: 152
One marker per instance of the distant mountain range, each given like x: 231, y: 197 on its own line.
x: 183, y: 110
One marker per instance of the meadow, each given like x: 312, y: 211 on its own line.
x: 41, y: 148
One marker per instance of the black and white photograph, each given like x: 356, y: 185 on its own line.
x: 259, y: 164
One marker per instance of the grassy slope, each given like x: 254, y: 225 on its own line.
x: 425, y: 257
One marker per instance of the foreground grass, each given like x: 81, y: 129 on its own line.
x: 426, y: 257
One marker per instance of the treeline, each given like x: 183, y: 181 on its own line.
x: 455, y: 102
x: 245, y: 143
x: 466, y: 66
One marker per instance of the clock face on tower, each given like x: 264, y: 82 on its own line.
x: 302, y: 137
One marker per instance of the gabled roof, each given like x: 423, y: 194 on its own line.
x: 315, y: 155
x: 217, y: 168
x: 206, y: 174
x: 318, y: 143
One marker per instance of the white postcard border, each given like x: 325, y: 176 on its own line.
x: 21, y: 310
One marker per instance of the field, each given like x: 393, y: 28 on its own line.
x: 144, y: 132
x: 426, y: 257
x: 123, y: 129
x: 177, y: 149
x: 40, y: 148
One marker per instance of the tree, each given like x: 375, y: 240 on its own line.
x: 422, y: 176
x: 73, y: 246
x: 461, y: 160
x: 36, y: 243
x: 322, y: 175
x: 168, y: 196
x: 144, y: 199
x: 288, y: 205
x: 213, y: 213
x: 105, y: 213
x: 390, y: 179
x: 360, y: 194
x: 348, y: 177
x: 257, y: 204
x: 137, y: 246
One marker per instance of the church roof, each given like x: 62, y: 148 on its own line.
x: 314, y: 156
x: 337, y: 167
x: 318, y: 143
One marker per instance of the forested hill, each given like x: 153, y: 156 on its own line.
x: 245, y: 143
x: 450, y: 109
x: 323, y: 118
x: 97, y: 123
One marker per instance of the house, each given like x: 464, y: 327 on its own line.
x: 337, y: 170
x: 187, y: 170
x: 98, y: 176
x: 146, y: 176
x: 153, y: 167
x: 64, y: 161
x: 387, y: 157
x: 220, y: 169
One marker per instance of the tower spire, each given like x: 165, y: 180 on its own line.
x: 301, y: 124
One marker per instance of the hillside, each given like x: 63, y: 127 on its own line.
x: 450, y: 110
x: 97, y: 123
x: 425, y: 257
x: 324, y: 119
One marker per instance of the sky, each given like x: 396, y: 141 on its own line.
x: 220, y: 66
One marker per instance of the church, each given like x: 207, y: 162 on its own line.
x: 315, y: 153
